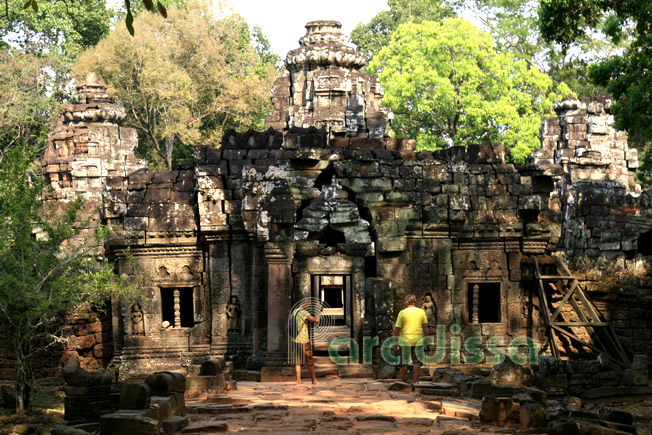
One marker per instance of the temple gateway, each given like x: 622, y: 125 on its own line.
x: 324, y: 204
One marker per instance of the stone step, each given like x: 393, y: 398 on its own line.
x: 223, y: 399
x: 209, y: 408
x: 206, y: 427
x: 470, y: 411
x: 174, y: 424
x: 220, y: 409
x: 445, y: 389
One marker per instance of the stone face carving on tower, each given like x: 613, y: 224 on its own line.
x: 88, y: 144
x: 323, y: 88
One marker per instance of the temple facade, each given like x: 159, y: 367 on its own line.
x: 324, y: 204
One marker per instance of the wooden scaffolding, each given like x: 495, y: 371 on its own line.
x: 603, y: 340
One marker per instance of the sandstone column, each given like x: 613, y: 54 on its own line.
x: 279, y: 301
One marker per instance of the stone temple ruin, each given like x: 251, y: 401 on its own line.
x: 324, y: 204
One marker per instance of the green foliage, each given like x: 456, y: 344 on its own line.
x: 53, y: 33
x: 626, y: 75
x: 26, y: 109
x: 370, y: 38
x: 186, y: 81
x: 566, y: 21
x: 447, y: 85
x: 55, y: 27
x: 45, y: 268
x: 264, y: 50
x: 514, y: 25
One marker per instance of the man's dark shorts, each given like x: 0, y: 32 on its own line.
x: 415, y: 360
x: 303, y: 353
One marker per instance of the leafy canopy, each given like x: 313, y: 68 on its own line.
x: 514, y: 25
x: 447, y: 85
x: 191, y: 78
x: 370, y: 38
x: 26, y: 109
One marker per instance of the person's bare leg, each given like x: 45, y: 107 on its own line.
x: 313, y: 377
x: 416, y: 370
x: 403, y: 373
x: 297, y: 370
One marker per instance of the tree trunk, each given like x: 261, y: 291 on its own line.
x: 24, y: 379
x: 169, y: 146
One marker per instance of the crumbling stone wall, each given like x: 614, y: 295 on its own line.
x: 606, y: 216
x: 89, y: 338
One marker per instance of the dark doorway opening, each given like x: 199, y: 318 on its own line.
x: 645, y: 243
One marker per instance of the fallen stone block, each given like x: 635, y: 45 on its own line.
x: 507, y: 372
x: 462, y: 410
x: 499, y: 411
x: 212, y: 367
x: 418, y: 421
x: 126, y: 422
x: 135, y: 396
x: 174, y: 424
x: 166, y: 383
x: 481, y: 389
x: 75, y: 376
x: 208, y: 427
x: 532, y: 415
x: 198, y: 386
x: 400, y: 386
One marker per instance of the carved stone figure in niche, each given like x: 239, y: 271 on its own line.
x: 186, y: 273
x: 430, y: 308
x: 137, y: 322
x: 163, y: 272
x: 233, y: 311
x: 495, y: 269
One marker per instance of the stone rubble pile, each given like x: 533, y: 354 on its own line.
x: 529, y: 402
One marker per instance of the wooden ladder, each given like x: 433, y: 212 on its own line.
x: 603, y: 336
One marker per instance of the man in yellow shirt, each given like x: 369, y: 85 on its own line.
x: 301, y: 348
x: 412, y: 325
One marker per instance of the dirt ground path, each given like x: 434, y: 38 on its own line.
x: 334, y: 406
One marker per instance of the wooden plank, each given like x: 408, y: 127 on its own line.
x: 556, y: 277
x: 589, y: 329
x: 568, y: 294
x: 580, y: 324
x: 611, y: 331
x: 593, y: 312
x: 543, y: 302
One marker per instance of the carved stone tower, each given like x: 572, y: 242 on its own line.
x: 88, y: 144
x: 322, y: 87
